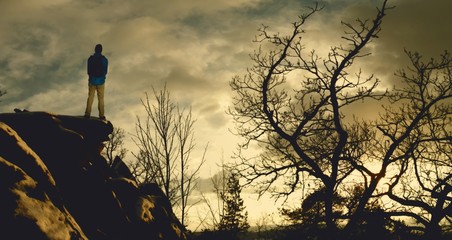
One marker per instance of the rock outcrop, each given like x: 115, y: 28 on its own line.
x: 54, y: 184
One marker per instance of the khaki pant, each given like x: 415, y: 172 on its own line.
x: 100, y: 99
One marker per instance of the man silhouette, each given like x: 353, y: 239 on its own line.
x: 97, y: 70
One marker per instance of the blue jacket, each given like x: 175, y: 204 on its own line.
x: 98, y: 80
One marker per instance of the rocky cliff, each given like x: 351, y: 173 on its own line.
x: 54, y: 184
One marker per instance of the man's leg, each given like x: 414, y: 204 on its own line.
x: 89, y: 102
x: 100, y: 99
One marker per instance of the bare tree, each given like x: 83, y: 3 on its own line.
x: 115, y: 146
x: 418, y: 135
x: 303, y: 130
x: 215, y: 208
x: 188, y: 177
x: 165, y: 139
x: 155, y: 138
x: 263, y: 226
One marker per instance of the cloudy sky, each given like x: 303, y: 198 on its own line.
x: 195, y: 46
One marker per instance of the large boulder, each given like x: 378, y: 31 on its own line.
x: 55, y: 184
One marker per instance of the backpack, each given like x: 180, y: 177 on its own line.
x: 96, y: 67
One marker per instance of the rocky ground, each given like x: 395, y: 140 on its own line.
x: 54, y: 184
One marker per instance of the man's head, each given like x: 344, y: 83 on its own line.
x: 98, y: 48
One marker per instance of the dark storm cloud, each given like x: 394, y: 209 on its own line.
x: 196, y: 47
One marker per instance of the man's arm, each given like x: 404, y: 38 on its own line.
x: 105, y: 65
x: 87, y: 65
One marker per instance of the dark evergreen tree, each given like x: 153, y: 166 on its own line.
x: 234, y: 219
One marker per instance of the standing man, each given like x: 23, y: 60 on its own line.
x: 97, y: 72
